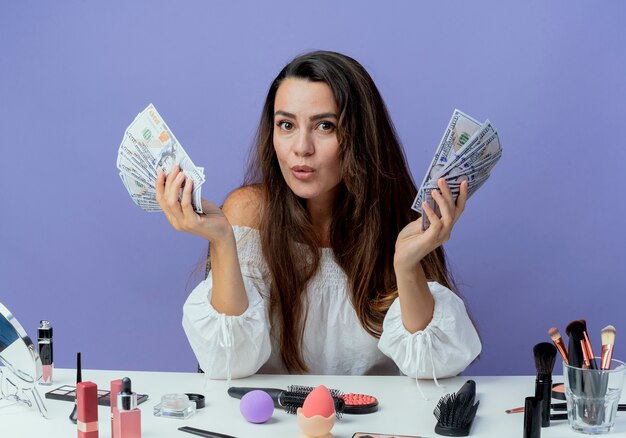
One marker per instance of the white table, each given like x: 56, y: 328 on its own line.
x: 401, y: 407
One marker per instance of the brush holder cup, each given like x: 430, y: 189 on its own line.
x: 592, y: 396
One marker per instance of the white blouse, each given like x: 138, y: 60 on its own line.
x: 334, y: 341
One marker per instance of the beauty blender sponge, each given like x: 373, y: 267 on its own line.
x: 256, y: 406
x: 319, y: 402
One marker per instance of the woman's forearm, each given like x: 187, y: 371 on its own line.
x: 229, y: 293
x: 416, y: 302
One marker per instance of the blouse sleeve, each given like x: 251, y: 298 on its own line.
x: 231, y: 346
x: 443, y: 349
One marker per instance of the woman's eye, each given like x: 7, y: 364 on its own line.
x: 326, y: 126
x: 285, y: 126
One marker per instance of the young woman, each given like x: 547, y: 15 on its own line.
x: 318, y: 264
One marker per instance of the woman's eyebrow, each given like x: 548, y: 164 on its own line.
x: 284, y: 114
x: 323, y: 116
x: 312, y: 118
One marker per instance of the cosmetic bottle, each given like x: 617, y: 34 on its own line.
x: 128, y: 424
x: 44, y: 334
x: 87, y: 409
x: 116, y: 388
x: 532, y: 417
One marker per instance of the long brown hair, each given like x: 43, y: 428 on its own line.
x: 372, y: 206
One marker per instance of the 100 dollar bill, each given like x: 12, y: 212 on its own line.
x: 460, y: 129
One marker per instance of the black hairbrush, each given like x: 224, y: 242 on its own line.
x: 455, y: 412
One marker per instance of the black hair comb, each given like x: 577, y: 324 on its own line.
x: 455, y: 412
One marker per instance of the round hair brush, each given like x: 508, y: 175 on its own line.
x: 291, y: 399
x: 455, y: 412
x: 354, y: 404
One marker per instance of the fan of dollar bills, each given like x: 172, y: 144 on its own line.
x: 147, y: 147
x: 467, y: 151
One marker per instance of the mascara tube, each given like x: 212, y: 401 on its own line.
x: 44, y: 335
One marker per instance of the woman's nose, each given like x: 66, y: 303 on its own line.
x: 304, y: 145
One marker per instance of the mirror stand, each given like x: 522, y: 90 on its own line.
x: 9, y: 391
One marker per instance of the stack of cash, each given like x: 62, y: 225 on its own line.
x: 467, y: 151
x: 149, y: 146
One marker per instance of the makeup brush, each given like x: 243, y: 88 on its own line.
x: 608, y: 341
x: 545, y: 356
x: 558, y: 343
x: 79, y: 378
x: 592, y: 357
x: 583, y: 348
x: 204, y: 433
x: 587, y: 345
x: 557, y: 407
x: 575, y: 331
x: 563, y: 407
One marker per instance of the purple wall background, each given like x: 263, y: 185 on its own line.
x: 541, y: 244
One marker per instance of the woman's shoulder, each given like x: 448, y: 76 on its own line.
x: 243, y: 206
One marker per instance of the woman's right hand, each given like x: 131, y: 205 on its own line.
x: 211, y: 225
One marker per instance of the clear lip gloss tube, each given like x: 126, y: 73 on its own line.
x: 44, y: 334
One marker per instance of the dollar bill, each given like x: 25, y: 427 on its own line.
x: 486, y: 130
x: 481, y: 154
x: 128, y: 155
x: 428, y: 199
x: 460, y: 129
x: 148, y: 147
x: 467, y: 152
x: 140, y: 193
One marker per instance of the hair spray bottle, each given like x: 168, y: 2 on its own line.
x: 44, y: 334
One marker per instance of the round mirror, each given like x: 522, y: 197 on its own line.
x: 22, y: 365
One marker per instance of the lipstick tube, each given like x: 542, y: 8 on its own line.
x: 44, y: 335
x: 128, y: 424
x: 87, y: 409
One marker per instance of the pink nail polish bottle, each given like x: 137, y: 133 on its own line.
x: 116, y: 388
x: 128, y: 424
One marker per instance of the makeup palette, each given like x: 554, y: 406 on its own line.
x: 68, y: 393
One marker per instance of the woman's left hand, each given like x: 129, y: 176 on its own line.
x: 413, y: 244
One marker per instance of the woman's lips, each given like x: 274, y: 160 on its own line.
x: 303, y: 173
